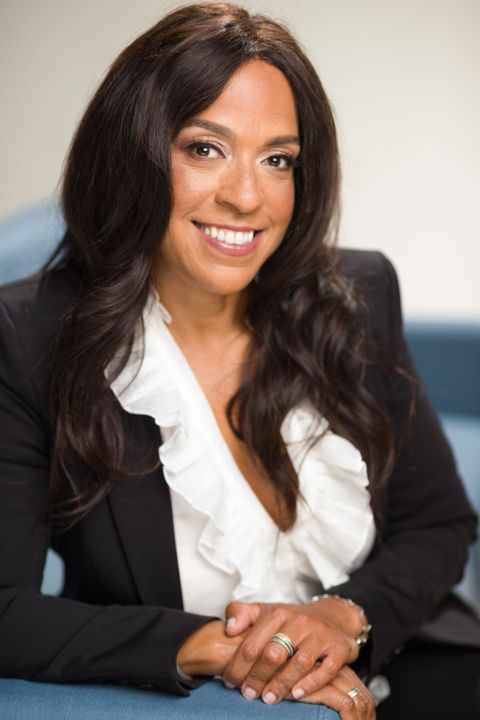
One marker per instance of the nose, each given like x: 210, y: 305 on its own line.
x: 239, y: 187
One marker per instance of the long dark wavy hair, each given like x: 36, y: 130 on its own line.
x: 117, y: 198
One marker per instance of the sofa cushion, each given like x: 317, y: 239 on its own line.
x: 463, y: 432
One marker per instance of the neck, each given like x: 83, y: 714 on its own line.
x: 200, y: 315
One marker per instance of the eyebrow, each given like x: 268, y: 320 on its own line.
x: 229, y: 135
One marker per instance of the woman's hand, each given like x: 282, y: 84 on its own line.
x: 208, y: 650
x: 359, y: 707
x: 320, y: 631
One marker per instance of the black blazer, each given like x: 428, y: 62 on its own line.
x: 120, y: 617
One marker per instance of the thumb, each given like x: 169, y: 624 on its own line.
x: 240, y: 615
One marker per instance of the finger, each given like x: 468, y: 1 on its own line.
x: 302, y: 663
x: 239, y: 616
x: 333, y: 659
x: 348, y: 681
x: 257, y: 652
x: 336, y: 699
x: 364, y: 703
x: 270, y: 662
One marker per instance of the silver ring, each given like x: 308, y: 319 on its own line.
x: 285, y: 642
x: 353, y: 692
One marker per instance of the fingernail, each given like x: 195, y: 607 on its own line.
x: 229, y: 685
x: 231, y: 621
x: 298, y: 693
x: 270, y: 698
x: 249, y: 693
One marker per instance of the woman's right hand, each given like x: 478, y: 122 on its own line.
x: 208, y: 650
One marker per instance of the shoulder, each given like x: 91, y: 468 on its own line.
x: 375, y: 289
x: 370, y: 270
x: 40, y: 298
x: 30, y: 312
x: 30, y: 309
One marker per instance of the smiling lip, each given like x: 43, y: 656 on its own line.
x: 229, y: 248
x: 235, y: 228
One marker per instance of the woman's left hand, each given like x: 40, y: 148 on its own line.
x: 347, y: 695
x: 262, y: 668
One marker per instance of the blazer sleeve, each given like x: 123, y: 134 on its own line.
x: 427, y: 522
x: 55, y: 639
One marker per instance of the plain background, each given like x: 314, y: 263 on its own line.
x: 403, y: 77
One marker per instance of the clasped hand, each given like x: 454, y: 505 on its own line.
x: 318, y: 672
x: 260, y: 667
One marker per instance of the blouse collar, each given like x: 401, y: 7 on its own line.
x: 334, y: 528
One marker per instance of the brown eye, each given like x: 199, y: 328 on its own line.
x: 204, y: 150
x: 282, y: 162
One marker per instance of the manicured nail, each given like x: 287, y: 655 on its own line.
x: 229, y: 685
x: 298, y: 693
x: 270, y: 698
x: 249, y: 693
x: 231, y: 621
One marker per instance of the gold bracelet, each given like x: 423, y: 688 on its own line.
x: 361, y: 639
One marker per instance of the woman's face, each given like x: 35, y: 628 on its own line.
x: 232, y: 170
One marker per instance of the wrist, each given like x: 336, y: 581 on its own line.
x: 353, y: 617
x: 183, y: 675
x: 208, y: 650
x: 201, y: 652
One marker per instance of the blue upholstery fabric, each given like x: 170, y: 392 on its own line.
x: 463, y: 432
x: 447, y: 356
x: 21, y: 700
x: 27, y: 239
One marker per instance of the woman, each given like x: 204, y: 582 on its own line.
x: 196, y: 312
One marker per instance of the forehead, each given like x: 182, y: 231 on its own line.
x: 257, y: 96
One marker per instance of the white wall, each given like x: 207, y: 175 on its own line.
x: 403, y: 77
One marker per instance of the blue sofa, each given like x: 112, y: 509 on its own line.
x: 448, y: 359
x: 447, y: 356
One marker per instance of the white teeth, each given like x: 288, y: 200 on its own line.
x: 229, y: 237
x: 240, y: 238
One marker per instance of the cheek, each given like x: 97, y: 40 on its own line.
x: 290, y: 204
x: 190, y: 187
x: 282, y: 203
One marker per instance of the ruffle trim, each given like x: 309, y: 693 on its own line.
x: 334, y: 529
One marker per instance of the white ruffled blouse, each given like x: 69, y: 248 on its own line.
x: 228, y: 546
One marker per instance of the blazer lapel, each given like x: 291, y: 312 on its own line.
x: 142, y: 513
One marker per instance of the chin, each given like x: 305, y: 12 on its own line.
x: 229, y: 285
